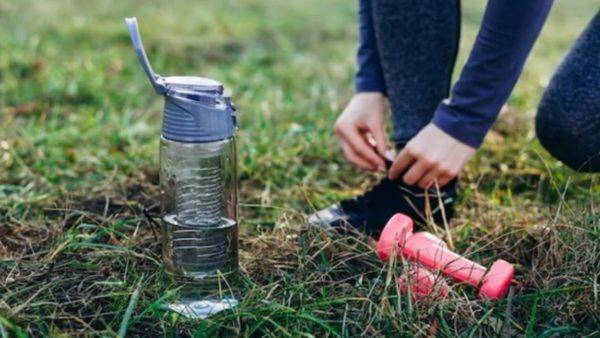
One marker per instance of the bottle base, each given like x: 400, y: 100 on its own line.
x: 201, y: 309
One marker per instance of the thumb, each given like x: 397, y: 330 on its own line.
x: 381, y: 139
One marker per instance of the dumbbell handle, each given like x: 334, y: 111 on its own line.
x: 423, y: 248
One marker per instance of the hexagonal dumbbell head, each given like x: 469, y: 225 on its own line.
x: 395, y: 232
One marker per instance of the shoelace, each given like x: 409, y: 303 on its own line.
x: 385, y: 188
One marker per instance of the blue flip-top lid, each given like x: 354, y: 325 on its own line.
x: 196, y: 108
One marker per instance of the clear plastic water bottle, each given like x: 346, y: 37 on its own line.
x: 198, y: 181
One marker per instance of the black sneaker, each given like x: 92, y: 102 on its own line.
x: 371, y: 211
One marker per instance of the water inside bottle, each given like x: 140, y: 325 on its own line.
x: 203, y: 262
x: 200, y: 253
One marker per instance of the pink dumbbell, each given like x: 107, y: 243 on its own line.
x: 433, y: 253
x: 422, y: 283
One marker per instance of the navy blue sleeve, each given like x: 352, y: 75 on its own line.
x: 369, y: 76
x: 507, y: 33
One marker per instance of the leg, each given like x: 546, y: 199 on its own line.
x: 568, y: 118
x: 417, y: 42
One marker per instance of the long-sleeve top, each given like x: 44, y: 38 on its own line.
x: 507, y: 33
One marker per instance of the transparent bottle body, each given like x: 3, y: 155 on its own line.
x: 199, y: 209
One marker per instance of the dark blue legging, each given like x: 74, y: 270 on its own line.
x: 417, y: 43
x: 568, y: 118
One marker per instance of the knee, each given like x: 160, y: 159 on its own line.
x: 568, y: 118
x: 547, y: 125
x: 561, y: 133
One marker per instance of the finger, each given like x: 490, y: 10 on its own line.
x: 361, y: 147
x: 428, y: 179
x: 416, y: 172
x: 444, y: 179
x: 403, y: 161
x: 352, y: 157
x: 381, y: 141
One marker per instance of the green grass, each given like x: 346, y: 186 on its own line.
x: 79, y: 128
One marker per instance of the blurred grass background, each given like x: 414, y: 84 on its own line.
x: 79, y: 126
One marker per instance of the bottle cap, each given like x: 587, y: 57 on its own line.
x: 196, y: 109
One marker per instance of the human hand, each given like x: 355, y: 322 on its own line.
x: 431, y: 155
x: 361, y: 131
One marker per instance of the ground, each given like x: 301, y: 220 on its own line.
x: 79, y: 127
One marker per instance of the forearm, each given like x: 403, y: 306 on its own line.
x: 369, y: 75
x: 507, y: 33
